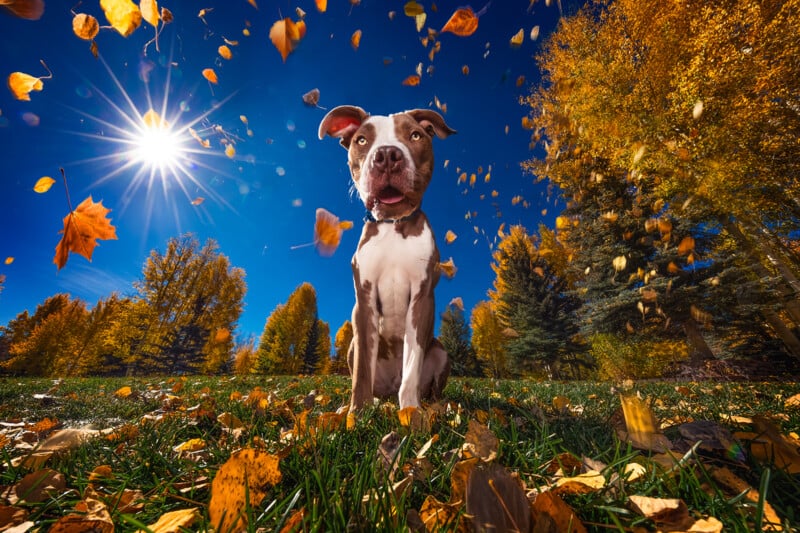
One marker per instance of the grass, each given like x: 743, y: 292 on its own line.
x: 329, y: 475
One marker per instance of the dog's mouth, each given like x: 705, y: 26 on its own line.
x: 390, y: 196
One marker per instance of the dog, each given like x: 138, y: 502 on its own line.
x: 395, y: 270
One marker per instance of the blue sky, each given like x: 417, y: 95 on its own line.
x: 262, y: 202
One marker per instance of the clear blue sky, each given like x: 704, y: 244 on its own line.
x: 262, y: 202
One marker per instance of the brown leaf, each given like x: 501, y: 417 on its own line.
x: 85, y: 26
x: 82, y: 228
x: 480, y: 442
x: 412, y: 81
x: 735, y: 485
x: 667, y: 512
x: 11, y: 516
x: 123, y: 15
x: 38, y: 486
x: 94, y: 517
x: 463, y: 22
x: 552, y: 515
x: 438, y: 516
x: 248, y: 472
x: 25, y: 9
x: 641, y: 427
x: 496, y: 501
x: 448, y: 268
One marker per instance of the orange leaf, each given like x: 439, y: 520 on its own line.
x: 686, y: 246
x: 197, y: 201
x: 210, y: 75
x: 230, y: 151
x: 328, y: 231
x: 43, y: 184
x: 448, y: 268
x: 550, y: 509
x: 85, y: 26
x: 411, y: 81
x: 355, y: 39
x: 149, y: 10
x: 286, y: 34
x: 247, y: 475
x: 123, y: 15
x: 22, y: 84
x: 322, y: 5
x: 25, y: 9
x: 516, y: 40
x: 9, y: 260
x: 449, y: 237
x: 224, y: 52
x: 463, y: 22
x: 175, y: 521
x: 82, y: 228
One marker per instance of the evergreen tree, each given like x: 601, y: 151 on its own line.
x: 454, y: 335
x: 533, y: 307
x: 293, y: 338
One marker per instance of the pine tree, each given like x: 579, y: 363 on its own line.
x: 454, y: 334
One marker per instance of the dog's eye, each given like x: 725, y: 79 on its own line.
x: 415, y: 136
x: 361, y: 140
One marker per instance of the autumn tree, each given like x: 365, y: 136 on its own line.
x: 533, y: 306
x: 688, y: 105
x: 244, y: 356
x: 294, y: 338
x: 488, y: 340
x: 454, y: 334
x: 341, y: 346
x: 184, y: 316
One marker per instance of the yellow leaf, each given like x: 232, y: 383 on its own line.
x: 686, y: 246
x: 22, y: 84
x: 152, y: 120
x: 641, y: 427
x: 561, y: 403
x: 149, y: 10
x: 224, y: 52
x: 518, y: 37
x: 123, y: 15
x: 322, y: 5
x: 43, y: 184
x: 448, y: 268
x: 210, y: 75
x: 247, y: 475
x: 191, y: 445
x: 174, y: 521
x: 591, y: 481
x: 230, y: 151
x: 449, y: 237
x: 665, y: 511
x: 85, y: 26
x: 123, y: 392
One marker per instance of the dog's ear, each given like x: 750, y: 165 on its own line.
x: 342, y: 122
x: 432, y: 122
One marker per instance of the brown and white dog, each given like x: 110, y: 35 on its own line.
x: 395, y: 266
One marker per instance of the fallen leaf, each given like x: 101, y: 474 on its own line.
x: 210, y: 75
x: 735, y: 486
x: 641, y: 427
x: 285, y: 34
x: 93, y: 516
x: 247, y: 475
x: 463, y: 22
x: 43, y: 184
x: 667, y: 512
x: 496, y: 501
x: 480, y: 442
x: 552, y: 515
x: 85, y: 26
x: 39, y: 486
x: 123, y: 15
x: 82, y: 228
x: 123, y: 392
x: 174, y: 521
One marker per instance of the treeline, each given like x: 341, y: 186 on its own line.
x: 671, y: 133
x: 181, y: 319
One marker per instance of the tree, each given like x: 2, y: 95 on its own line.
x: 694, y: 117
x: 341, y: 347
x: 454, y: 335
x: 488, y: 340
x: 244, y: 356
x: 294, y: 338
x: 184, y: 316
x: 533, y: 307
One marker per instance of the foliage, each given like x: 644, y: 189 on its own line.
x: 341, y: 346
x: 454, y: 335
x: 147, y: 455
x: 294, y: 340
x: 244, y: 356
x: 488, y: 340
x: 532, y: 306
x: 635, y: 357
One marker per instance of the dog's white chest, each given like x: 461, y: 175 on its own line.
x: 395, y: 267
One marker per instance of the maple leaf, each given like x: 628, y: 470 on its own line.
x: 82, y: 227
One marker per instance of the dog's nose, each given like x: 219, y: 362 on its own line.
x: 387, y: 159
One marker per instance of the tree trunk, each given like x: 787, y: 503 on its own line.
x: 784, y: 333
x: 700, y: 350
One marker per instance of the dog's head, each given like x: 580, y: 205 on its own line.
x: 390, y: 157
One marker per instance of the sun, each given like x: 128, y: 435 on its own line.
x: 158, y: 146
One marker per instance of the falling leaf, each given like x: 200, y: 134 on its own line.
x: 516, y: 40
x: 174, y: 521
x: 152, y: 120
x: 82, y: 227
x: 311, y: 98
x: 411, y: 81
x: 241, y: 482
x: 85, y: 26
x: 210, y: 75
x: 43, y: 184
x: 465, y: 70
x: 463, y: 22
x: 412, y: 9
x: 224, y: 52
x: 286, y: 34
x: 448, y: 268
x: 253, y: 3
x: 166, y: 16
x: 449, y: 237
x: 322, y: 5
x: 534, y: 33
x: 419, y: 23
x: 197, y: 201
x: 25, y: 9
x: 328, y: 231
x: 230, y: 151
x: 22, y: 84
x: 149, y: 10
x: 123, y: 15
x: 9, y: 260
x: 205, y: 143
x: 457, y: 302
x: 355, y: 39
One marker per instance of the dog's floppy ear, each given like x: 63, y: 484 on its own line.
x: 432, y: 122
x: 342, y: 122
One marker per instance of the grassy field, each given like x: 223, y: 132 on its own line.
x: 147, y: 447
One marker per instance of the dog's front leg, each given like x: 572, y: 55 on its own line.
x: 419, y: 330
x: 364, y: 348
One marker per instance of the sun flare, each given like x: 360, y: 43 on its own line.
x: 158, y: 146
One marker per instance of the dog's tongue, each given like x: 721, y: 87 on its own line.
x: 390, y: 195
